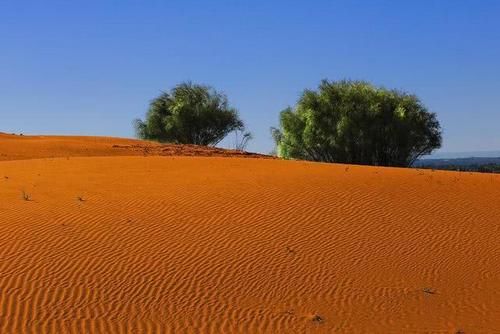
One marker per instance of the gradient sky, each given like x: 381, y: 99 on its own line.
x: 91, y: 67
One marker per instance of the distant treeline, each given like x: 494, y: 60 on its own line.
x: 490, y: 168
x: 482, y: 165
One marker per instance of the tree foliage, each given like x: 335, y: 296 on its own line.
x: 356, y: 122
x: 189, y: 114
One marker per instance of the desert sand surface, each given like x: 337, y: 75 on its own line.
x: 21, y: 147
x: 176, y: 244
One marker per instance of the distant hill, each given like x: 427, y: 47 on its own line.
x: 477, y: 164
x: 457, y: 155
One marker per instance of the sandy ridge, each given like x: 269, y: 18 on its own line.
x: 22, y: 147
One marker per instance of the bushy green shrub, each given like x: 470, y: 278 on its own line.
x: 189, y: 114
x: 356, y: 122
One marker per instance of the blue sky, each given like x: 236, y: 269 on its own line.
x: 91, y: 67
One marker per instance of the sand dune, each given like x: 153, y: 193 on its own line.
x: 152, y: 244
x: 20, y: 147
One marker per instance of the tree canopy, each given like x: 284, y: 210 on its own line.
x: 189, y: 114
x: 356, y: 122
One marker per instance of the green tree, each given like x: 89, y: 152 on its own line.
x: 189, y: 114
x: 356, y: 122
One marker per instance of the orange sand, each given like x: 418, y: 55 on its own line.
x: 14, y: 147
x: 216, y: 245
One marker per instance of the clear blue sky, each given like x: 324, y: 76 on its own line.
x: 91, y: 67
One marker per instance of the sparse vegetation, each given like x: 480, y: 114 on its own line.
x: 26, y: 196
x: 318, y: 319
x: 242, y: 139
